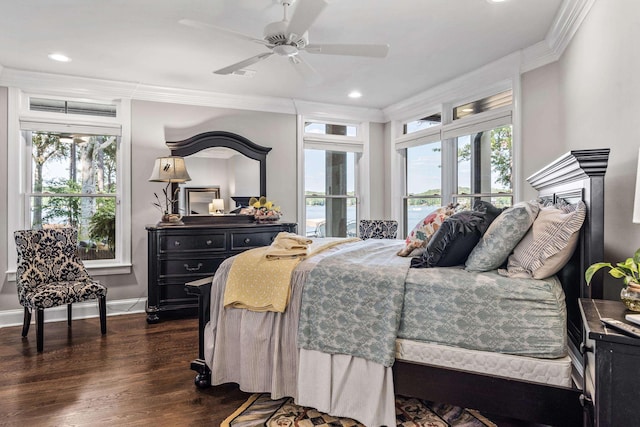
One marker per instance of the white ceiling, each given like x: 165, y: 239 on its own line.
x: 141, y: 41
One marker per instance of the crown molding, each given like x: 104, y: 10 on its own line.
x: 568, y: 19
x: 565, y: 25
x: 84, y: 87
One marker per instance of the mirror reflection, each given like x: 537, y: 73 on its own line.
x: 233, y: 175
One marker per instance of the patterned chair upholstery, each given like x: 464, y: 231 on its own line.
x: 378, y: 229
x: 50, y: 274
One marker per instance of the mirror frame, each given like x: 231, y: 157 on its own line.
x: 230, y: 140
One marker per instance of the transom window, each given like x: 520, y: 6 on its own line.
x: 421, y: 124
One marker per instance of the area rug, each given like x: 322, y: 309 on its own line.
x: 260, y: 410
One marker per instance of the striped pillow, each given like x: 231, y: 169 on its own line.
x: 548, y: 244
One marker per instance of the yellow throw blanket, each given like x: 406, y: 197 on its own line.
x: 260, y: 283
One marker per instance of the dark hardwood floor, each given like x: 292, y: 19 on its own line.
x: 136, y: 375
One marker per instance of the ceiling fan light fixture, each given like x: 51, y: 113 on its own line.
x: 286, y: 50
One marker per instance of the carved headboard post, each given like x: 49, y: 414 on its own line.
x: 222, y: 139
x: 578, y: 175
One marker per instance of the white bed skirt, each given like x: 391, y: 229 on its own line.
x: 347, y: 386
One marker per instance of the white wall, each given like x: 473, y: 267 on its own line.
x: 591, y: 99
x: 8, y: 296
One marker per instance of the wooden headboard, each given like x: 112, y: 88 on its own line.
x: 578, y: 175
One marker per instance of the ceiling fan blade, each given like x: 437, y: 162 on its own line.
x: 207, y: 27
x: 310, y: 75
x: 239, y: 65
x: 369, y: 50
x: 307, y: 11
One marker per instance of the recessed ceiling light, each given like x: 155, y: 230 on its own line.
x: 497, y: 1
x: 354, y: 94
x: 59, y: 57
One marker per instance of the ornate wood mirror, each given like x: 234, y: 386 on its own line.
x: 212, y: 146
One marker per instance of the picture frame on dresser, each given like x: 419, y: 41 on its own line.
x: 197, y: 199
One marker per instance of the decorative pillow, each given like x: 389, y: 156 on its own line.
x: 454, y: 240
x: 502, y: 236
x: 417, y: 240
x: 549, y: 244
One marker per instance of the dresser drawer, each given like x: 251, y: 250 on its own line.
x: 245, y: 240
x: 193, y: 242
x: 190, y: 267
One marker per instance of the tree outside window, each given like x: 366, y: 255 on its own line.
x: 73, y: 183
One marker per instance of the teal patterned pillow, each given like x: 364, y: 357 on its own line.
x: 504, y: 233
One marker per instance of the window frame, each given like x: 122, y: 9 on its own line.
x: 358, y: 144
x: 19, y: 171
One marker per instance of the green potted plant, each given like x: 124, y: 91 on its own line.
x: 629, y: 271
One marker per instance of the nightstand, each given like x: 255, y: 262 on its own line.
x: 611, y: 366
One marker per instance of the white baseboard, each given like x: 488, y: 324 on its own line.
x: 81, y: 310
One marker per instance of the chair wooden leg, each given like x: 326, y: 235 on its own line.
x: 69, y: 314
x: 40, y: 329
x: 26, y: 322
x: 102, y: 306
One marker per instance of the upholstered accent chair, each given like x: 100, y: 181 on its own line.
x: 50, y: 274
x: 378, y: 229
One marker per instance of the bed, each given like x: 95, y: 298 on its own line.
x: 543, y: 390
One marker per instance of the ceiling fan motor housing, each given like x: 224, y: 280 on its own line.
x: 276, y: 34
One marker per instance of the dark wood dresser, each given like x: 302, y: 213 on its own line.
x: 184, y: 253
x: 611, y: 366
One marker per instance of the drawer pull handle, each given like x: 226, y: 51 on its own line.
x: 584, y: 348
x: 209, y: 242
x: 247, y: 240
x: 186, y: 266
x: 176, y: 243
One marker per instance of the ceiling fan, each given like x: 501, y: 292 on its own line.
x: 289, y: 37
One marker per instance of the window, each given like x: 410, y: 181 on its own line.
x: 73, y: 182
x: 330, y: 202
x: 484, y: 161
x: 330, y: 129
x: 488, y: 103
x: 72, y: 168
x: 424, y: 181
x: 460, y: 156
x: 331, y: 154
x: 421, y: 124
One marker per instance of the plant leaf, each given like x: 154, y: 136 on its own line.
x: 588, y: 275
x: 617, y: 272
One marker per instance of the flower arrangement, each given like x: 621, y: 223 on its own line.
x: 264, y: 210
x: 165, y: 206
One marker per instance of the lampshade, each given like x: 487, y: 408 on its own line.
x: 636, y: 202
x: 169, y: 169
x: 216, y: 206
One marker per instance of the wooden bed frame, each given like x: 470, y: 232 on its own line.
x: 578, y: 175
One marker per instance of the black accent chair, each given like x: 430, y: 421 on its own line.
x: 50, y: 274
x: 378, y: 229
